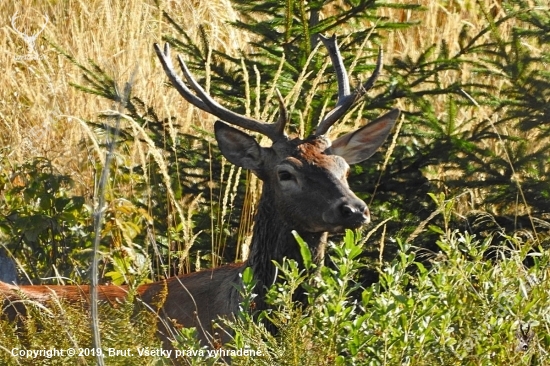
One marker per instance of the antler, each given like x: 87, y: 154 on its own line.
x: 346, y: 99
x: 200, y: 99
x: 26, y: 36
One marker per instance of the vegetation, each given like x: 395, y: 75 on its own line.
x: 460, y: 197
x: 462, y: 311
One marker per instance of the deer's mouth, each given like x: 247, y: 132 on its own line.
x: 358, y: 222
x: 339, y: 227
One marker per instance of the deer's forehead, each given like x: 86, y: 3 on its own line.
x: 314, y: 155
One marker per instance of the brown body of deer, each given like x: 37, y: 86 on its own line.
x: 304, y: 189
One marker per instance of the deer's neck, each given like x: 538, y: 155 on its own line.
x: 273, y: 241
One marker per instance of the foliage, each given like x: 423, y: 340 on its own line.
x: 41, y: 222
x: 288, y: 31
x: 462, y: 310
x: 499, y: 157
x: 48, y: 230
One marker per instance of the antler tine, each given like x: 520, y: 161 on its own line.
x: 284, y: 117
x: 204, y: 101
x: 13, y: 26
x: 331, y: 45
x: 45, y: 24
x: 13, y: 17
x: 346, y: 99
x: 185, y: 92
x: 375, y: 74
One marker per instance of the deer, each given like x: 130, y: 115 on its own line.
x: 30, y: 40
x: 305, y: 190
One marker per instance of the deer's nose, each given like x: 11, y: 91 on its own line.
x: 355, y: 213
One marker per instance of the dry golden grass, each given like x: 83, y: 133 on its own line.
x: 42, y: 115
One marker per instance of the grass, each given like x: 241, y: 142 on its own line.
x: 65, y: 327
x: 38, y: 94
x: 39, y: 107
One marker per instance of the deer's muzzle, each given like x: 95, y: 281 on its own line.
x: 347, y: 214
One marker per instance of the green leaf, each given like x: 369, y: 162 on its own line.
x: 117, y: 278
x: 304, y: 250
x: 436, y: 229
x: 248, y: 275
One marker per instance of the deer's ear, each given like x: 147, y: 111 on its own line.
x: 359, y: 145
x: 238, y: 147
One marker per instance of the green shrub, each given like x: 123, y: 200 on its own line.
x: 43, y: 224
x: 463, y: 310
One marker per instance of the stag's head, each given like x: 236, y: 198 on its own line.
x: 305, y: 180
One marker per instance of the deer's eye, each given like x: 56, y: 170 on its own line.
x: 284, y: 175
